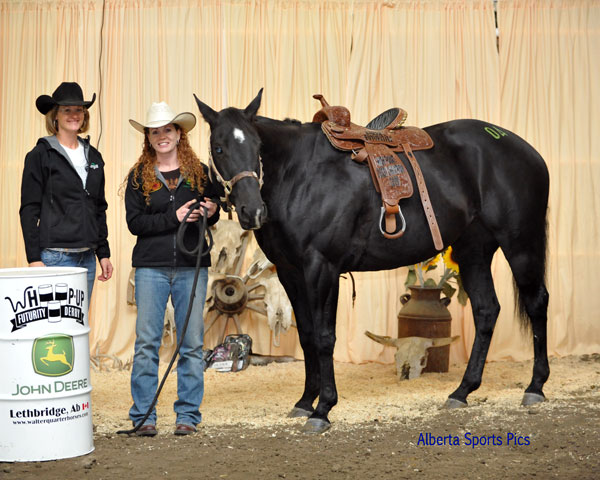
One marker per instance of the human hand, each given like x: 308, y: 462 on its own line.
x: 107, y: 270
x: 184, y: 209
x: 211, y: 207
x: 37, y: 264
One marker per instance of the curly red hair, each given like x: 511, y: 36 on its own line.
x: 189, y: 166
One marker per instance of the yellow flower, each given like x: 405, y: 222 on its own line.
x: 422, y: 275
x: 431, y: 262
x: 449, y: 260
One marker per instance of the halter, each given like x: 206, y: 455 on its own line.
x: 229, y: 184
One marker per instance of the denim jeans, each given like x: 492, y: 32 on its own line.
x: 152, y: 289
x: 87, y: 259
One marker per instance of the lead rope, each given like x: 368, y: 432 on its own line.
x: 180, y: 232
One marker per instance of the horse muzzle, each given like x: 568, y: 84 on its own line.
x: 252, y: 218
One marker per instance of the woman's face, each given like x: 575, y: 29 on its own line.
x: 69, y: 118
x: 164, y: 139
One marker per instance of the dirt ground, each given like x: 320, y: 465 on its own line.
x: 379, y: 428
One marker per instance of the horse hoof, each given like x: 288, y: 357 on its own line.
x: 299, y: 412
x: 316, y: 426
x: 532, y: 399
x: 453, y: 403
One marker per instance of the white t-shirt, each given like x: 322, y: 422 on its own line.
x: 78, y: 160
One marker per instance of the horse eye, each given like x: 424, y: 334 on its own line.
x: 218, y: 150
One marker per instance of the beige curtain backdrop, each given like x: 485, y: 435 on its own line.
x: 550, y: 91
x: 437, y: 59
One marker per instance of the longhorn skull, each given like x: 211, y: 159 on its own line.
x: 412, y: 352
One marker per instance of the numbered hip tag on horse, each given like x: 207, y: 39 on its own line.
x: 389, y: 173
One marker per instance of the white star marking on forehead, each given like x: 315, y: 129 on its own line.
x: 239, y: 135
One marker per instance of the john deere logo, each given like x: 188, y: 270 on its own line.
x: 53, y: 355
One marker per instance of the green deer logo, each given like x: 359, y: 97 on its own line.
x: 53, y: 356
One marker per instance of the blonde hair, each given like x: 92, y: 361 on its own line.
x: 52, y: 125
x: 189, y: 166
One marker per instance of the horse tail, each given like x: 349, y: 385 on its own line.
x: 520, y: 310
x: 539, y: 268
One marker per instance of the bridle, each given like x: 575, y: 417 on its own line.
x: 229, y: 184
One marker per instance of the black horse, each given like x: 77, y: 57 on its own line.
x: 488, y: 187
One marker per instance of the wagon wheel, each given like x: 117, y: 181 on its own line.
x: 233, y: 294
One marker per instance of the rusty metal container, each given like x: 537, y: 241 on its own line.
x: 425, y: 314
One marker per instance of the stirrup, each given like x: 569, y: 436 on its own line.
x: 396, y: 234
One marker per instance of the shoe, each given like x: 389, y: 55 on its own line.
x: 182, y: 429
x: 147, y: 430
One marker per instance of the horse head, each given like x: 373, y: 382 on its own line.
x: 235, y: 160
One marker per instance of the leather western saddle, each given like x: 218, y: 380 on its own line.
x: 377, y: 144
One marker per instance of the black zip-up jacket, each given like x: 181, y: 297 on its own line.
x: 57, y: 211
x: 156, y: 224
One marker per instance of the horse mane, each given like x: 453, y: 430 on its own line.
x: 273, y: 121
x: 289, y: 134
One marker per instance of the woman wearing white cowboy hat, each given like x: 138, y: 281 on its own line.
x: 159, y: 191
x: 63, y: 207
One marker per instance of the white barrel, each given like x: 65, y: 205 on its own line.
x: 45, y: 407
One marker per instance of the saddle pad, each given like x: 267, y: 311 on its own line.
x: 389, y: 174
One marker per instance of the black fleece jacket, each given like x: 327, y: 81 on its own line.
x: 56, y: 209
x: 156, y: 224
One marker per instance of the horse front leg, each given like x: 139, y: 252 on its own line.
x: 322, y: 286
x: 293, y: 283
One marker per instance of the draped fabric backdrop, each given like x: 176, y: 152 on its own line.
x: 438, y: 59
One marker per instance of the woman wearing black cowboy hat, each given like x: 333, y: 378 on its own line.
x: 63, y: 208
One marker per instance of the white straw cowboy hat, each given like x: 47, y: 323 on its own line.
x: 160, y: 114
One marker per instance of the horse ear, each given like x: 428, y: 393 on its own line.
x: 254, y: 105
x: 208, y: 113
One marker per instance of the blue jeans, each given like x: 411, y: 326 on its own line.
x: 152, y: 289
x: 87, y: 259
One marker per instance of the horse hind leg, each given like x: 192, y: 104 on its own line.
x: 527, y: 260
x: 536, y: 305
x: 474, y: 252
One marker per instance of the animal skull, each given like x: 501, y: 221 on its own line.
x: 226, y: 257
x: 411, y: 354
x: 228, y: 238
x: 279, y: 308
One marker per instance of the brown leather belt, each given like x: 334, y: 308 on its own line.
x: 425, y: 201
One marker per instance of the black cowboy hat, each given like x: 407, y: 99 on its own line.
x: 67, y: 93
